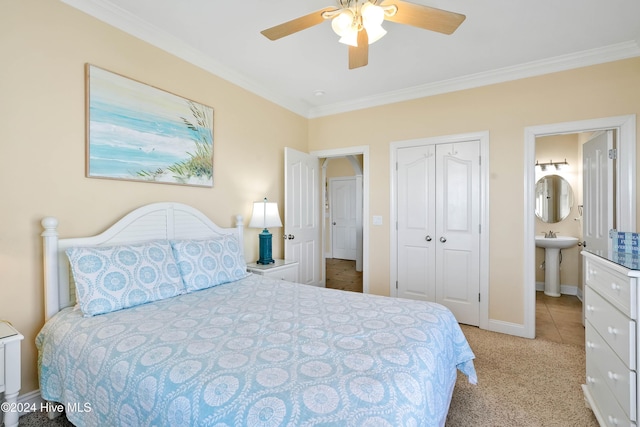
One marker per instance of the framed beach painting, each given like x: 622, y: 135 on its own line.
x: 138, y: 132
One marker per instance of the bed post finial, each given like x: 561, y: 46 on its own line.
x: 50, y: 249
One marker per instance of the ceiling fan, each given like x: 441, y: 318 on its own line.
x: 359, y: 23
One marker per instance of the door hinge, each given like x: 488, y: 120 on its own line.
x: 613, y: 154
x: 479, y: 228
x: 613, y: 230
x: 480, y: 160
x: 396, y: 166
x: 478, y: 296
x: 396, y: 284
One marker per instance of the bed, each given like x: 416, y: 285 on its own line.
x: 241, y: 350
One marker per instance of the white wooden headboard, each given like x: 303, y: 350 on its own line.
x: 157, y: 221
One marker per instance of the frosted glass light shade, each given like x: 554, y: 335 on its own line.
x: 343, y: 22
x: 372, y: 19
x: 265, y: 214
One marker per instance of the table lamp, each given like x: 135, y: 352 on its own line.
x: 265, y: 214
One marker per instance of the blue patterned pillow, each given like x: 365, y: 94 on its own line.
x: 207, y: 263
x: 111, y: 278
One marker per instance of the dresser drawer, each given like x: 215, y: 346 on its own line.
x: 290, y: 274
x: 617, y: 329
x: 620, y: 379
x: 607, y: 407
x: 613, y: 285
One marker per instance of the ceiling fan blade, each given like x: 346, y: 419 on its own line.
x: 359, y: 56
x: 428, y: 18
x: 295, y: 25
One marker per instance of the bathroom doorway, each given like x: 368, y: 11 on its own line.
x: 625, y: 198
x: 558, y: 209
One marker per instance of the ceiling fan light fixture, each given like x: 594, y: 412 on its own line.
x: 375, y: 33
x: 350, y: 37
x: 343, y: 22
x: 371, y: 14
x: 372, y: 19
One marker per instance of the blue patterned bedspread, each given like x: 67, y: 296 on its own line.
x: 256, y: 352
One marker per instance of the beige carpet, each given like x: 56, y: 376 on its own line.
x: 521, y: 382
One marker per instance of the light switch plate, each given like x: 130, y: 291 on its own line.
x: 377, y: 220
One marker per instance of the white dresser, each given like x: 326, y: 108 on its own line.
x: 611, y: 333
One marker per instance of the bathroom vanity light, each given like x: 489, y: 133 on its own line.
x: 557, y: 165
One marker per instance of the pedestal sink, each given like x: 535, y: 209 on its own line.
x: 552, y: 246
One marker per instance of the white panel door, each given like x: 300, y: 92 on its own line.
x: 302, y: 214
x: 343, y: 217
x: 438, y: 222
x: 457, y: 229
x: 598, y: 191
x: 416, y: 223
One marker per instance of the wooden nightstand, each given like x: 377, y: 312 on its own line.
x: 10, y: 372
x: 281, y: 269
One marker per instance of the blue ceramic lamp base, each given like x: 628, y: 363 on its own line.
x: 265, y: 254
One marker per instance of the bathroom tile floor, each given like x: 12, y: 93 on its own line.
x: 559, y: 319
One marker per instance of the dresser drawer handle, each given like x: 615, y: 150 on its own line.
x: 613, y: 376
x: 589, y: 308
x: 593, y: 272
x: 613, y: 420
x: 612, y: 330
x: 590, y: 344
x: 590, y: 380
x: 615, y: 286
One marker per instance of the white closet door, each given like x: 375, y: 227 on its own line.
x: 416, y: 223
x: 457, y: 229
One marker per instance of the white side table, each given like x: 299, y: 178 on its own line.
x: 10, y: 372
x: 281, y: 269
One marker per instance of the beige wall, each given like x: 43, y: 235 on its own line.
x: 44, y: 45
x: 505, y: 110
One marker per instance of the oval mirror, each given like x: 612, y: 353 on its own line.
x: 554, y: 198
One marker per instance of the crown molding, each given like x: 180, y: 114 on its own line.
x: 117, y: 17
x: 585, y: 58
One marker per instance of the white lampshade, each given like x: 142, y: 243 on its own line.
x: 350, y: 37
x: 265, y: 214
x: 342, y: 22
x: 372, y: 19
x: 344, y: 26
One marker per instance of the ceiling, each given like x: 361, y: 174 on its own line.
x: 308, y: 73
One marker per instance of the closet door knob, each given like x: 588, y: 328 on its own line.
x: 428, y: 238
x: 443, y: 239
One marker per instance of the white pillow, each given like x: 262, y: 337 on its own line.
x: 110, y: 278
x: 211, y: 262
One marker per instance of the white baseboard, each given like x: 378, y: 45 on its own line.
x: 509, y: 328
x: 564, y: 289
